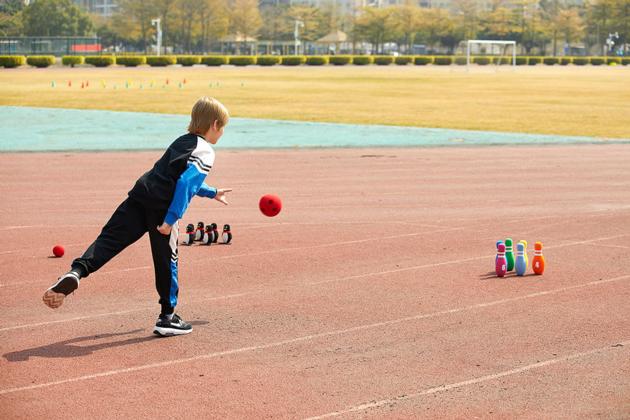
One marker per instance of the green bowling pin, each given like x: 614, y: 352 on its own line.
x: 509, y: 254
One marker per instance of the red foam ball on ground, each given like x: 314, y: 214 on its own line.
x: 58, y: 251
x: 270, y: 205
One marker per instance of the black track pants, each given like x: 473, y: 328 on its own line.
x: 130, y: 222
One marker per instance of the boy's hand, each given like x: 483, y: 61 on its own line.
x: 221, y: 195
x: 165, y: 229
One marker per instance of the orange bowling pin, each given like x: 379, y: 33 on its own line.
x: 538, y: 263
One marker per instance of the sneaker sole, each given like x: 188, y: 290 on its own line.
x: 53, y: 297
x: 169, y: 332
x: 53, y: 300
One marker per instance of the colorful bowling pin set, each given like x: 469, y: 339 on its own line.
x: 506, y: 260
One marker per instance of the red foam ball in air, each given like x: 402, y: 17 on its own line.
x: 58, y: 251
x: 270, y: 205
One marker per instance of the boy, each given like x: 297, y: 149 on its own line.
x: 155, y: 204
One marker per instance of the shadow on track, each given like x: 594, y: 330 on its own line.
x: 72, y: 348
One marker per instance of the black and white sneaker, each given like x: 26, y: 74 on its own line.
x: 54, y: 296
x: 175, y: 326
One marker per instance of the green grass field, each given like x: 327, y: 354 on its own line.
x: 588, y: 101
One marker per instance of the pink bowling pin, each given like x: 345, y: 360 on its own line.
x: 501, y: 261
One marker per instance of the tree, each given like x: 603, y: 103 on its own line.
x: 11, y: 7
x: 609, y: 16
x: 550, y: 10
x: 570, y: 25
x: 276, y: 24
x: 10, y: 17
x: 467, y: 18
x: 245, y: 18
x: 528, y: 18
x: 187, y: 25
x: 622, y: 18
x: 55, y: 18
x: 599, y: 17
x: 376, y: 26
x: 406, y: 20
x: 214, y: 19
x: 435, y: 26
x: 105, y: 31
x: 133, y: 22
x: 499, y: 24
x: 165, y: 10
x: 329, y: 18
x: 315, y: 25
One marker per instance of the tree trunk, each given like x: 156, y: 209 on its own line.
x: 204, y: 35
x: 188, y: 35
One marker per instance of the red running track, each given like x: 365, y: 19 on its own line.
x: 370, y: 295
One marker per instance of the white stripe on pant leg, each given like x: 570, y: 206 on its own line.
x: 174, y: 237
x: 173, y: 245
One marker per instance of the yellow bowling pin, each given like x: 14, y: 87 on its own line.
x: 524, y: 242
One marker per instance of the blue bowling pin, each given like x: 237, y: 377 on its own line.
x: 521, y: 264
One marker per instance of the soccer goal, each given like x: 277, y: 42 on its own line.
x: 491, y: 48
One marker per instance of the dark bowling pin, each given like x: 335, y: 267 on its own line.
x: 199, y: 231
x: 207, y: 236
x: 216, y: 233
x: 189, y: 236
x: 227, y: 235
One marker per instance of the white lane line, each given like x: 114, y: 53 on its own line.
x: 614, y: 246
x: 129, y: 311
x: 30, y: 250
x: 597, y: 213
x: 617, y: 346
x: 586, y: 241
x: 418, y: 267
x: 45, y: 226
x: 363, y: 223
x: 529, y: 220
x: 311, y: 337
x: 244, y: 227
x: 272, y: 251
x: 263, y: 290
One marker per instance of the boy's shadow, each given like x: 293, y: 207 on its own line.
x: 70, y: 348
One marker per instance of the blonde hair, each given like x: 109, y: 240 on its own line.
x: 204, y: 113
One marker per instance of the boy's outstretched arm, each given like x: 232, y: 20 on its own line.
x: 211, y: 192
x: 187, y: 186
x: 218, y: 194
x: 207, y: 191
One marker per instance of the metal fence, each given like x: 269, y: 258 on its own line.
x: 50, y: 45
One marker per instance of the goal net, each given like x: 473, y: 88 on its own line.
x: 499, y: 52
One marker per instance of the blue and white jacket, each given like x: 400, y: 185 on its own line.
x: 176, y: 177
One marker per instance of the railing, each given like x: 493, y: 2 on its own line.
x: 52, y: 45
